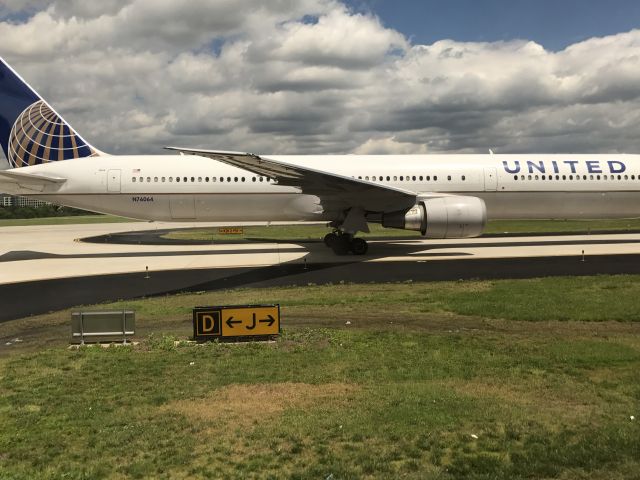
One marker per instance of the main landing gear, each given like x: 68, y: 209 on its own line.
x: 343, y: 243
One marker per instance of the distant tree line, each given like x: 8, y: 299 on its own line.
x: 40, y: 212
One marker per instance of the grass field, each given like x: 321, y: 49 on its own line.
x: 485, y: 380
x: 316, y: 232
x: 76, y: 219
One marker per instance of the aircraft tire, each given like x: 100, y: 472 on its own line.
x: 330, y: 239
x: 359, y: 246
x: 341, y: 245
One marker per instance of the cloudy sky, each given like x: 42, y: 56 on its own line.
x: 329, y: 76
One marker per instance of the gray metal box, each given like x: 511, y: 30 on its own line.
x: 102, y: 327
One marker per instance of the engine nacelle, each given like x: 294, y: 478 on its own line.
x: 454, y: 216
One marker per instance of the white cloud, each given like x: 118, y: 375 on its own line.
x: 310, y: 76
x: 387, y: 145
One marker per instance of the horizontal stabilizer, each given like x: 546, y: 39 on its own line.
x: 24, y: 178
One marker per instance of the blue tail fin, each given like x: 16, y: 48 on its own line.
x: 31, y: 132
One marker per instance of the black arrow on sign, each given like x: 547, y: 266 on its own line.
x: 269, y: 320
x: 231, y: 322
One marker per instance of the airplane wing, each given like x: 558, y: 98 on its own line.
x: 336, y: 192
x: 30, y: 181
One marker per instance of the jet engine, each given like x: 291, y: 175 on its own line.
x: 453, y: 216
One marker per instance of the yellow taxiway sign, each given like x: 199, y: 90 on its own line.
x: 236, y: 321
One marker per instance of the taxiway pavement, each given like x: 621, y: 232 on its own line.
x: 45, y: 268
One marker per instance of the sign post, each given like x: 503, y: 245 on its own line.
x: 237, y: 322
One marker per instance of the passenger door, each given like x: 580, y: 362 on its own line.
x: 490, y: 180
x: 113, y: 181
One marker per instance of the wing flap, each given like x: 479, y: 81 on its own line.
x: 335, y: 191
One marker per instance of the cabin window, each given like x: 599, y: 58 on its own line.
x: 206, y: 179
x: 164, y: 179
x: 177, y: 179
x: 242, y: 179
x: 228, y: 179
x: 149, y: 179
x: 463, y: 178
x: 401, y: 178
x: 420, y: 177
x: 395, y: 178
x: 133, y: 179
x: 260, y: 178
x: 170, y: 179
x: 155, y: 179
x: 515, y: 177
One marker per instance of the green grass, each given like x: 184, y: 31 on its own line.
x: 456, y: 380
x: 562, y: 226
x: 316, y: 232
x: 77, y: 219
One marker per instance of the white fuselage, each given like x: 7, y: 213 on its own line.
x: 192, y: 188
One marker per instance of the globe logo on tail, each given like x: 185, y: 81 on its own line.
x: 39, y: 135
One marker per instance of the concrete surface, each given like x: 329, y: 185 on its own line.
x: 45, y: 268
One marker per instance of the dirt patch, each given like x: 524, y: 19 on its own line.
x: 568, y: 402
x: 245, y: 405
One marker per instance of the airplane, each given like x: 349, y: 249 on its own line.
x: 441, y: 195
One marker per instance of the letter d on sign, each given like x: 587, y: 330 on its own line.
x: 208, y: 323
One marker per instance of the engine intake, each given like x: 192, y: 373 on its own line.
x: 454, y: 216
